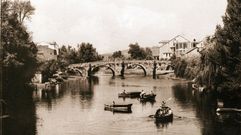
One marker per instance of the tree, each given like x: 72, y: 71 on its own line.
x: 136, y: 52
x: 48, y: 69
x: 19, y: 52
x: 148, y: 53
x: 72, y: 55
x: 117, y: 54
x: 229, y: 46
x: 221, y: 60
x: 86, y: 53
x: 23, y: 9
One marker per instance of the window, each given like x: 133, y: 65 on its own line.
x: 180, y: 45
x: 184, y: 45
x: 55, y: 52
x: 194, y: 44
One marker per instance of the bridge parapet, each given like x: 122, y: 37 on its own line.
x: 146, y: 65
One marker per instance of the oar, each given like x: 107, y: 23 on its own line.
x: 178, y: 116
x: 151, y: 116
x: 169, y: 99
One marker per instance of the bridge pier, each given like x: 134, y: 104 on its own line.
x: 154, y: 70
x: 122, y: 70
x: 90, y: 71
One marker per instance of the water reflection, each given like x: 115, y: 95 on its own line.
x: 205, y: 110
x: 183, y: 95
x: 82, y: 89
x: 151, y: 102
x: 161, y: 125
x: 22, y: 112
x: 77, y: 107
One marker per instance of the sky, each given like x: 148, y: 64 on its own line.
x: 111, y: 25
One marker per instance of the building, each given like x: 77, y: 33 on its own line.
x: 166, y: 50
x: 195, y: 50
x: 178, y: 45
x: 47, y: 51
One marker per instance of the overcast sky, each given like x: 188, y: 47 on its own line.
x: 113, y: 24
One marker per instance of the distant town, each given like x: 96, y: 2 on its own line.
x: 178, y: 45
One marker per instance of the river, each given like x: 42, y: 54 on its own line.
x: 77, y: 107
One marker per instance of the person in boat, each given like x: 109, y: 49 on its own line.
x: 163, y: 108
x: 152, y: 93
x: 163, y: 104
x: 142, y: 94
x: 158, y: 112
x: 124, y: 92
x: 113, y: 102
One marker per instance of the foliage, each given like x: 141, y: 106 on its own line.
x: 84, y: 53
x: 68, y: 55
x: 48, y: 68
x: 117, y: 54
x: 148, y: 53
x: 23, y: 9
x: 221, y: 60
x: 180, y: 67
x: 139, y: 53
x: 186, y: 68
x: 228, y: 44
x: 87, y: 53
x: 19, y: 52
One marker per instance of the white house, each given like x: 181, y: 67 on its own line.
x: 47, y: 51
x: 195, y: 50
x: 166, y: 50
x: 178, y: 45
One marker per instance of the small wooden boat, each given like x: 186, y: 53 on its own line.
x: 228, y: 110
x: 148, y: 97
x: 4, y: 110
x: 125, y: 108
x: 130, y: 94
x: 164, y: 114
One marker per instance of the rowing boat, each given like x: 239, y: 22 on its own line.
x: 119, y: 108
x: 129, y: 94
x: 164, y: 115
x: 223, y: 110
x: 148, y: 97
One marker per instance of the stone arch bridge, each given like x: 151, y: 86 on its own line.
x: 148, y: 67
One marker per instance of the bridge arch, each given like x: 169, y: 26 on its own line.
x: 95, y: 69
x: 142, y: 67
x: 75, y: 70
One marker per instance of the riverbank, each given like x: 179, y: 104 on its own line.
x: 45, y: 84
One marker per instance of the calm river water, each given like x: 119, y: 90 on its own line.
x: 77, y: 108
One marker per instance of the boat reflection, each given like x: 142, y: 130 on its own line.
x: 143, y: 102
x: 162, y: 124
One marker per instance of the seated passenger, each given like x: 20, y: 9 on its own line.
x: 152, y: 93
x: 142, y: 94
x: 163, y: 104
x: 164, y: 108
x: 157, y: 112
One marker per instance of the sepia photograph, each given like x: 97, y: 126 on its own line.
x: 120, y: 67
